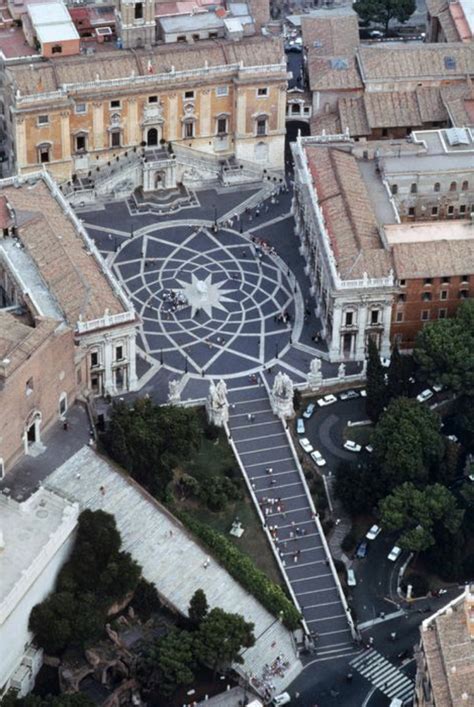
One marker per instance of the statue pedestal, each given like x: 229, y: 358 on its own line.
x: 315, y: 381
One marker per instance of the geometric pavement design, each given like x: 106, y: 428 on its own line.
x: 236, y: 330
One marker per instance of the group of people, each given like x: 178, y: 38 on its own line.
x: 174, y: 300
x: 276, y: 669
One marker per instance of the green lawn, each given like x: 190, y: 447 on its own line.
x: 361, y: 434
x: 216, y: 458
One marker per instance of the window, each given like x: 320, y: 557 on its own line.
x: 426, y: 296
x: 394, y: 188
x: 443, y: 294
x: 80, y: 143
x: 189, y: 129
x: 139, y: 11
x: 465, y: 186
x: 453, y: 186
x: 374, y: 316
x: 425, y: 315
x: 403, y: 283
x: 349, y: 318
x: 413, y: 188
x: 29, y: 386
x: 43, y: 119
x: 296, y: 108
x: 80, y: 108
x: 262, y: 126
x: 399, y: 317
x: 44, y: 153
x: 221, y: 126
x: 118, y: 353
x: 115, y: 138
x: 411, y: 211
x: 445, y: 280
x: 222, y: 91
x: 463, y: 294
x: 464, y: 278
x: 152, y: 99
x: 189, y: 95
x: 63, y: 404
x: 384, y: 132
x: 450, y: 210
x: 57, y: 49
x: 402, y: 298
x: 181, y: 38
x: 442, y: 313
x: 462, y: 208
x: 115, y: 104
x: 428, y: 281
x: 196, y: 37
x: 262, y: 92
x: 94, y: 358
x: 437, y: 186
x: 79, y: 376
x: 213, y: 35
x: 434, y: 210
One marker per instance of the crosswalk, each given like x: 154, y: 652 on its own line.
x: 385, y: 676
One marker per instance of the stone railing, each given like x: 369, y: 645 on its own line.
x: 107, y: 320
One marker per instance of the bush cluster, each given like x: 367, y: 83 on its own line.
x: 244, y: 571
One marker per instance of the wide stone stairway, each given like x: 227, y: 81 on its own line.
x: 269, y: 463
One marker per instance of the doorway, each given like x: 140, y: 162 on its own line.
x: 152, y: 137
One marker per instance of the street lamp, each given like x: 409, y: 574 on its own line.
x: 215, y: 218
x: 185, y: 364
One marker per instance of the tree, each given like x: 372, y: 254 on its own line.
x: 149, y: 440
x: 198, y: 607
x: 416, y: 513
x: 76, y: 699
x: 383, y: 11
x: 169, y: 663
x: 398, y: 374
x: 220, y: 638
x: 407, y: 442
x: 444, y: 350
x: 376, y: 388
x: 359, y: 486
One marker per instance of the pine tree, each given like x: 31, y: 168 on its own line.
x: 376, y: 388
x: 198, y: 607
x: 398, y: 383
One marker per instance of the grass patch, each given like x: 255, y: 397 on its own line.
x: 361, y: 434
x: 215, y: 459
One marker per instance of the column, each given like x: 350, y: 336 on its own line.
x: 173, y: 123
x: 385, y: 342
x: 97, y: 126
x: 65, y: 136
x: 360, y: 352
x: 21, y: 153
x: 108, y: 381
x: 281, y: 115
x: 241, y: 109
x: 132, y: 136
x: 132, y: 355
x: 335, y: 344
x: 205, y: 120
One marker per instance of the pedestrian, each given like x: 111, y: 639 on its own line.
x: 249, y: 417
x: 65, y: 425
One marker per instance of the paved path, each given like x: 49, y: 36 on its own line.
x: 381, y: 673
x: 261, y: 444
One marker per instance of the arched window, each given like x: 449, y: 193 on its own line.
x: 465, y: 186
x: 115, y: 138
x: 437, y: 186
x: 453, y: 186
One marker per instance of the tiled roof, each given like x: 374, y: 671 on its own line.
x: 352, y: 115
x: 253, y: 51
x: 325, y: 122
x: 429, y: 259
x: 72, y: 275
x: 348, y: 213
x: 459, y: 103
x: 19, y: 340
x: 331, y: 34
x: 418, y: 61
x: 330, y: 73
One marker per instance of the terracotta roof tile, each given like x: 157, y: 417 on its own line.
x: 331, y: 34
x: 429, y: 259
x: 403, y: 63
x: 332, y: 73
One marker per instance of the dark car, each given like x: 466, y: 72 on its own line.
x: 362, y: 550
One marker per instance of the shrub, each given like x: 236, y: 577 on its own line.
x: 241, y: 568
x: 348, y: 542
x: 327, y: 525
x: 211, y: 432
x: 420, y: 584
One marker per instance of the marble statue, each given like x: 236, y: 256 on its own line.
x: 315, y: 376
x: 174, y: 393
x: 281, y: 396
x: 217, y: 405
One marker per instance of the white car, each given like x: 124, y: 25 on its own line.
x: 452, y: 438
x: 351, y: 578
x: 425, y: 395
x: 318, y: 458
x: 306, y: 444
x: 282, y: 699
x: 327, y: 400
x: 363, y: 393
x: 309, y: 411
x: 373, y: 532
x: 300, y: 426
x: 352, y: 446
x: 348, y: 395
x: 394, y: 553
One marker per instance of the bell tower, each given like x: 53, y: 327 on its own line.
x: 136, y: 23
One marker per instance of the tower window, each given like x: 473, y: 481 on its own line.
x: 221, y: 126
x: 80, y: 143
x: 115, y: 138
x: 189, y: 129
x: 262, y: 126
x: 44, y: 153
x: 115, y: 104
x: 139, y: 11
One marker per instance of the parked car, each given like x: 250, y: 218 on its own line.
x: 438, y: 387
x: 352, y: 446
x: 373, y: 532
x: 363, y: 393
x: 425, y: 395
x: 318, y: 458
x: 306, y: 444
x: 369, y: 448
x: 282, y: 699
x: 351, y: 578
x: 348, y: 395
x: 362, y: 550
x: 394, y: 553
x: 452, y: 438
x: 327, y: 400
x: 385, y: 361
x: 309, y: 411
x: 300, y: 426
